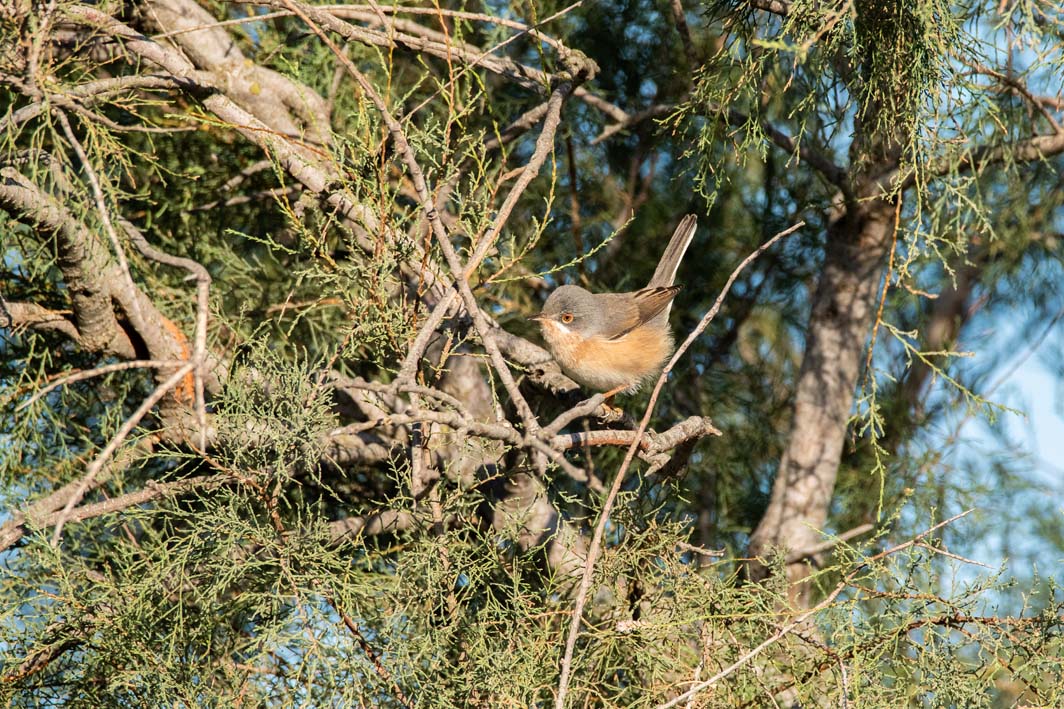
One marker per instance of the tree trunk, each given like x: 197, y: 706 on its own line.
x: 844, y: 306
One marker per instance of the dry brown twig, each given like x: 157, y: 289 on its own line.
x: 101, y: 205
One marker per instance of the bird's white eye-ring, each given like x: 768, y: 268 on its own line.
x: 567, y: 318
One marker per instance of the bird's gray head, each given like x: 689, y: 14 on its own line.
x: 571, y: 309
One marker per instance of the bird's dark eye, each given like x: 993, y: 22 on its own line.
x: 567, y: 318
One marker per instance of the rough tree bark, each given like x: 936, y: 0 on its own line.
x: 842, y: 314
x: 844, y: 303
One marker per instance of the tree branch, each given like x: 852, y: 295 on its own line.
x: 30, y: 315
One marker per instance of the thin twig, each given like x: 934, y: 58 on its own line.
x: 701, y: 551
x: 98, y: 372
x: 956, y: 557
x: 790, y: 627
x: 795, y: 556
x: 886, y: 286
x: 542, y: 77
x: 152, y: 490
x: 101, y: 208
x: 658, y: 109
x: 370, y: 653
x: 424, y: 336
x: 131, y: 423
x: 611, y: 497
x: 1019, y: 87
x: 460, y: 421
x: 544, y: 143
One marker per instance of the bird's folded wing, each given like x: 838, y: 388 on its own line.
x: 642, y: 307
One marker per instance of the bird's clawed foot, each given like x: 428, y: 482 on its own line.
x: 610, y: 413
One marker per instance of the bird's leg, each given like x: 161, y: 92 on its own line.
x: 612, y: 413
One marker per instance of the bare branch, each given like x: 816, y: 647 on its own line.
x: 1016, y: 85
x: 98, y: 372
x: 305, y: 163
x: 44, y: 511
x: 370, y: 653
x: 776, y: 7
x: 1033, y: 149
x: 96, y: 466
x: 90, y: 92
x: 693, y: 428
x: 795, y: 556
x: 407, y: 34
x: 289, y: 107
x: 94, y: 281
x: 386, y: 522
x: 679, y: 17
x: 101, y: 209
x: 630, y: 121
x: 30, y: 315
x: 823, y: 164
x: 151, y: 491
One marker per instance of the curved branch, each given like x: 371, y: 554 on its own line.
x: 1033, y: 149
x: 87, y: 270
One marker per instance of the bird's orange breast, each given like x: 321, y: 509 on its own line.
x: 603, y: 364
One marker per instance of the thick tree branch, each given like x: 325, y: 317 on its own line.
x: 95, y: 282
x: 287, y: 106
x: 83, y: 261
x: 976, y: 160
x: 775, y: 7
x: 19, y: 316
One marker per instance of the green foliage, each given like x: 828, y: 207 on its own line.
x: 251, y: 575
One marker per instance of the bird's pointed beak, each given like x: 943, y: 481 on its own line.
x: 537, y: 317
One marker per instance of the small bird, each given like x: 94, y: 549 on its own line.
x: 615, y: 342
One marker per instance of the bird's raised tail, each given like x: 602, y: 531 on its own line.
x: 665, y: 273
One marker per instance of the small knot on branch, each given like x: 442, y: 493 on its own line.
x: 578, y: 66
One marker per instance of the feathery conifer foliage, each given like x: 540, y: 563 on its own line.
x: 275, y: 431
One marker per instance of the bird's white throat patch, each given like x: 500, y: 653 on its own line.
x: 561, y: 327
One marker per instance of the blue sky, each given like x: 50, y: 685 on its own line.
x: 1006, y: 531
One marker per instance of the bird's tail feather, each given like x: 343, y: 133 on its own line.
x: 665, y: 273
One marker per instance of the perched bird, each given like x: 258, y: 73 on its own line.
x: 614, y: 342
